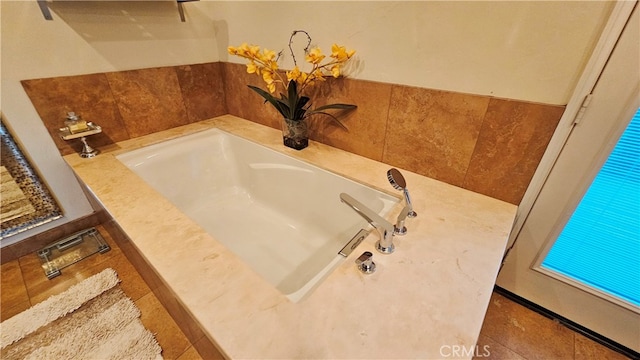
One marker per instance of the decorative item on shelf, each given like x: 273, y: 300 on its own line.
x: 76, y: 128
x: 295, y: 134
x: 74, y: 124
x: 295, y: 107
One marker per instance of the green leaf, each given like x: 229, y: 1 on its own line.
x: 293, y: 98
x: 303, y: 101
x: 336, y: 106
x: 280, y: 105
x: 292, y: 106
x: 335, y: 119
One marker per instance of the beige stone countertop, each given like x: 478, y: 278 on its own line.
x: 427, y: 298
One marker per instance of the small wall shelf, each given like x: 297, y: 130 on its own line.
x: 46, y: 12
x: 181, y: 10
x: 45, y: 9
x: 92, y: 129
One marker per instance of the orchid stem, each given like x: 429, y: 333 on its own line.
x: 306, y: 49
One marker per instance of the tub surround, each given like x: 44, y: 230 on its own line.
x: 129, y: 103
x: 478, y: 142
x: 432, y: 292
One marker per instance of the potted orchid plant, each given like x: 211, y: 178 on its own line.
x: 292, y: 104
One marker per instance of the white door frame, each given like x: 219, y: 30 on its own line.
x: 608, y: 39
x: 615, y: 96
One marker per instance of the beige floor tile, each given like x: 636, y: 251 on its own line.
x: 525, y: 332
x: 207, y: 350
x: 40, y: 287
x: 9, y: 312
x: 38, y: 284
x: 155, y: 318
x: 190, y: 354
x: 13, y: 290
x: 586, y: 349
x: 24, y: 279
x: 487, y: 348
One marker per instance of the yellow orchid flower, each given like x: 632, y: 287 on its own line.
x: 264, y: 63
x: 268, y: 55
x: 243, y: 50
x: 314, y: 56
x: 267, y: 76
x: 272, y: 65
x: 302, y: 78
x: 318, y: 75
x: 340, y: 53
x: 252, y: 67
x: 335, y: 71
x: 254, y: 50
x: 293, y: 74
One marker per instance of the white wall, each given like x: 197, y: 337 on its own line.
x: 525, y: 50
x: 83, y: 38
x: 531, y: 51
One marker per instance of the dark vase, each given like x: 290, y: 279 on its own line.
x: 295, y: 133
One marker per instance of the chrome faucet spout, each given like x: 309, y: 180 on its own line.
x: 385, y: 228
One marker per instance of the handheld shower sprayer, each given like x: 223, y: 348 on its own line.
x: 399, y: 183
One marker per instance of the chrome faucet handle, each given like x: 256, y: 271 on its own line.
x: 399, y: 228
x: 407, y: 199
x: 365, y: 263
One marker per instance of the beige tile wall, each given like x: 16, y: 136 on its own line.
x: 129, y: 104
x: 488, y: 145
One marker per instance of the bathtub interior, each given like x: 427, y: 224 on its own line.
x: 282, y: 216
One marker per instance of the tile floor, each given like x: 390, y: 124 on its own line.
x: 510, y: 330
x: 24, y: 284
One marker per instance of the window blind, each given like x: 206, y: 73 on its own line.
x: 600, y: 245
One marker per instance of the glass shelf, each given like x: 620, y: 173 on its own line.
x: 70, y: 250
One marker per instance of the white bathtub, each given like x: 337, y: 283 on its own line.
x: 282, y: 216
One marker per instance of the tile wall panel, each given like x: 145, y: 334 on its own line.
x: 366, y: 125
x: 491, y: 146
x: 488, y: 145
x: 512, y: 141
x: 88, y: 96
x: 244, y: 102
x: 202, y: 90
x: 149, y: 100
x: 433, y: 132
x: 129, y: 103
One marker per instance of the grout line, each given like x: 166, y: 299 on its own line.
x: 24, y: 282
